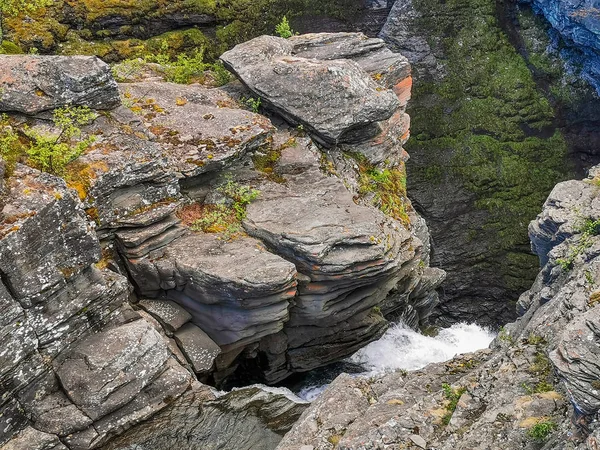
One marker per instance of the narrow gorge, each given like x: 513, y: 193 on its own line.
x: 195, y: 213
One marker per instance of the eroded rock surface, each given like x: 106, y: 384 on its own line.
x: 315, y: 261
x: 292, y: 85
x: 541, y: 371
x: 33, y: 84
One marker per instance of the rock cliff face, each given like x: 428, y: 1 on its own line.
x: 578, y: 23
x: 537, y: 385
x: 121, y: 290
x: 498, y: 121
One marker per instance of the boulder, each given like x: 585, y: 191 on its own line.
x: 31, y: 84
x: 350, y: 102
x: 107, y: 370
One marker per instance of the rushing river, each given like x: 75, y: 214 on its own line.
x: 403, y: 348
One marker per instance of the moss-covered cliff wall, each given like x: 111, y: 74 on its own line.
x: 120, y: 29
x: 493, y: 131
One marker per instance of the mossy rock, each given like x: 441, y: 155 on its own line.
x: 10, y: 48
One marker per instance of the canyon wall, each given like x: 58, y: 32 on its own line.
x: 536, y: 387
x: 498, y: 120
x: 197, y: 241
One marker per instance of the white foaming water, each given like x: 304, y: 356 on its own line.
x: 403, y: 348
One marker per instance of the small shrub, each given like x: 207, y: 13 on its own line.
x: 541, y: 430
x: 11, y: 148
x: 588, y: 229
x: 220, y: 74
x: 223, y: 218
x: 50, y: 153
x: 252, y: 103
x: 283, y: 28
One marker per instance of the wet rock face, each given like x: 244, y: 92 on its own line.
x: 33, y: 84
x: 578, y: 22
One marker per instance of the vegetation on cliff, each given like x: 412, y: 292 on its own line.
x: 122, y: 29
x: 485, y: 125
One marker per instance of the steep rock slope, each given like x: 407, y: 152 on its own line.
x: 491, y: 138
x: 578, y: 23
x: 117, y: 300
x: 537, y: 387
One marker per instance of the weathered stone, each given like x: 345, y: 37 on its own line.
x: 32, y: 84
x: 349, y: 99
x: 220, y: 133
x: 199, y: 349
x: 251, y: 418
x: 32, y: 439
x: 352, y: 255
x: 41, y: 201
x: 236, y: 291
x: 106, y: 371
x: 171, y: 316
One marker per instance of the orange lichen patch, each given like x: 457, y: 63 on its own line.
x: 68, y: 271
x: 7, y: 226
x: 181, y: 101
x: 377, y: 76
x: 227, y: 104
x: 93, y: 214
x: 403, y: 90
x: 107, y: 255
x: 594, y: 298
x: 146, y: 208
x: 79, y: 176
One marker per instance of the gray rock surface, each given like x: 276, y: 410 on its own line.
x: 32, y: 84
x: 251, y: 418
x: 302, y: 282
x: 350, y: 101
x: 542, y: 369
x: 199, y: 349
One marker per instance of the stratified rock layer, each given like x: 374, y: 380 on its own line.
x: 33, y: 84
x: 303, y: 279
x: 539, y: 381
x: 292, y: 85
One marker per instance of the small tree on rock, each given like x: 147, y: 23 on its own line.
x: 12, y: 8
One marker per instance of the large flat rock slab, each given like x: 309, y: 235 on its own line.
x: 331, y: 98
x: 107, y: 370
x: 31, y: 84
x: 199, y: 129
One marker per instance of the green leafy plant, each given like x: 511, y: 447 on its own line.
x: 541, y: 430
x: 588, y: 229
x: 283, y: 28
x: 252, y: 103
x: 51, y: 153
x: 387, y: 185
x: 453, y: 396
x: 184, y: 69
x: 227, y: 218
x: 11, y: 149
